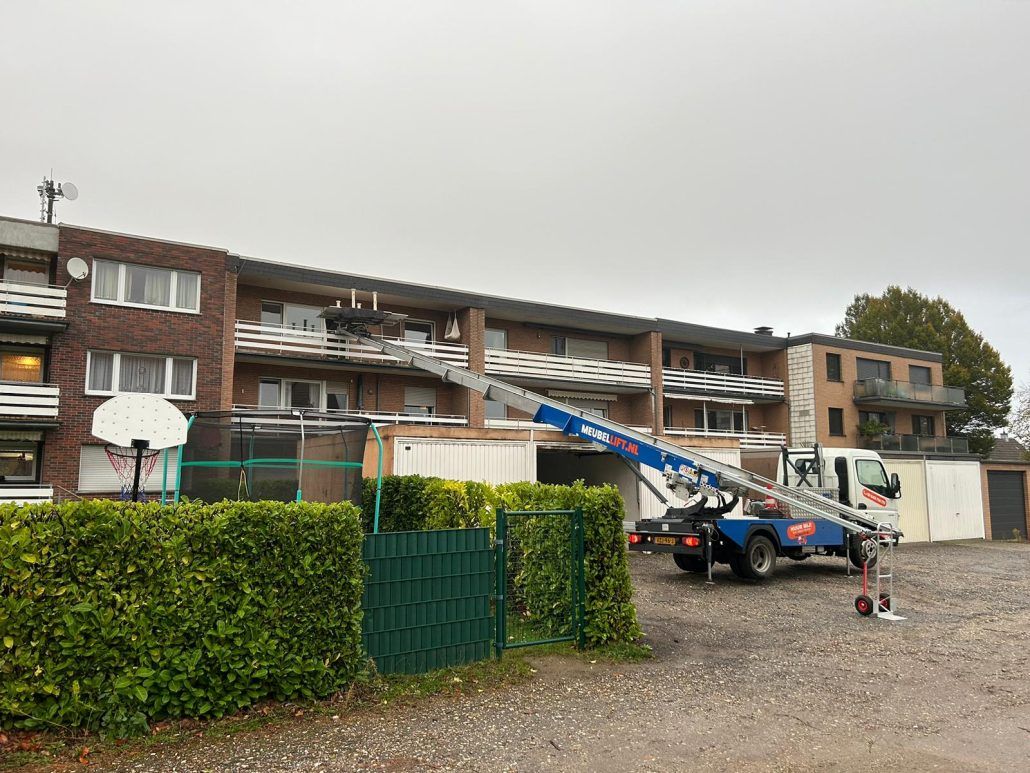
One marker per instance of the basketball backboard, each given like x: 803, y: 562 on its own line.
x: 129, y: 417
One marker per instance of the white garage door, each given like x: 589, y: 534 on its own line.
x: 912, y: 512
x: 954, y: 500
x: 651, y: 507
x: 483, y: 460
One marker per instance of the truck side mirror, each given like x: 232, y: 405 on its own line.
x: 895, y: 485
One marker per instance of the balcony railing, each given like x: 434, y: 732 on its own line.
x: 530, y: 424
x: 876, y: 390
x: 747, y: 439
x: 23, y: 399
x: 276, y: 339
x: 26, y: 495
x: 509, y: 362
x: 29, y: 300
x: 378, y: 417
x: 707, y: 382
x: 916, y: 444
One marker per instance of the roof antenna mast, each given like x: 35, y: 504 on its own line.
x: 49, y: 193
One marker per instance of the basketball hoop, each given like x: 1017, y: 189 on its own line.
x: 123, y: 460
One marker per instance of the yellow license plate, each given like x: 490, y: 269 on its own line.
x: 665, y: 540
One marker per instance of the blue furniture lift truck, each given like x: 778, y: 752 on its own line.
x: 802, y: 521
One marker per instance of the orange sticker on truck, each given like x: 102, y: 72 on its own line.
x: 872, y: 496
x: 801, y: 530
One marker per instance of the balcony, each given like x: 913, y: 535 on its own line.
x: 881, y: 391
x: 747, y: 439
x: 29, y: 494
x: 377, y: 417
x: 26, y: 400
x: 915, y: 444
x: 555, y: 368
x: 705, y: 382
x: 530, y: 424
x: 255, y: 338
x: 43, y: 302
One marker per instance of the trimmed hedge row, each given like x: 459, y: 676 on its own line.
x: 411, y: 503
x: 113, y: 614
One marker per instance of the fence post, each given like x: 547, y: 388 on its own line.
x: 499, y: 559
x: 581, y: 588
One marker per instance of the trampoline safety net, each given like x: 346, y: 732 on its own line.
x: 283, y: 456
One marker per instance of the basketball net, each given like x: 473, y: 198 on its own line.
x: 123, y: 460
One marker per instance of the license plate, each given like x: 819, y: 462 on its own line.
x: 665, y: 540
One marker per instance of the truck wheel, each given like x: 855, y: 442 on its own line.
x: 758, y: 560
x: 862, y: 551
x: 690, y: 563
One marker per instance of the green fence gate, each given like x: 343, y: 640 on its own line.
x: 540, y: 587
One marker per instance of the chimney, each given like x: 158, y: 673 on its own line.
x: 763, y: 331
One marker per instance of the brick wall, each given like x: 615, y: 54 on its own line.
x: 133, y: 330
x: 802, y: 405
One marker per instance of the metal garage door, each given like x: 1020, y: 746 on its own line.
x: 954, y: 500
x: 483, y: 460
x: 912, y: 515
x: 1007, y: 498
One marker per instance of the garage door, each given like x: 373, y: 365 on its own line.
x: 485, y: 460
x: 1007, y: 498
x: 954, y: 500
x: 912, y: 515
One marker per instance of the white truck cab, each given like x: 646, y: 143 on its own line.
x: 856, y: 476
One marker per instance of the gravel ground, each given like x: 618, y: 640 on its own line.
x: 781, y: 676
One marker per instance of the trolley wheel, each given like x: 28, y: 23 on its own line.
x: 863, y: 605
x: 862, y: 551
x: 885, y: 602
x: 690, y: 563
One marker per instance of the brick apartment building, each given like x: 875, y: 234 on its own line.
x: 211, y: 330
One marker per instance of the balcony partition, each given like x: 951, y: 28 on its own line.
x: 32, y: 300
x: 708, y: 382
x: 747, y: 439
x: 22, y: 399
x: 552, y: 367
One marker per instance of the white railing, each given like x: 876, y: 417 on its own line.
x: 747, y: 439
x: 26, y: 495
x: 509, y: 362
x: 378, y: 417
x: 721, y: 383
x: 33, y: 300
x: 19, y: 398
x: 530, y: 424
x: 276, y: 339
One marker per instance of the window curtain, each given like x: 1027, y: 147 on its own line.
x: 150, y: 286
x: 182, y: 377
x: 101, y: 368
x: 105, y: 280
x: 186, y: 290
x: 141, y: 374
x: 21, y: 367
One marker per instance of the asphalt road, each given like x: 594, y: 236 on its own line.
x: 780, y: 676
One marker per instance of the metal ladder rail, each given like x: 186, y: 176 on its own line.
x: 530, y: 402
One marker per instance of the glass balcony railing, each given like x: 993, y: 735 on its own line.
x: 916, y: 444
x: 885, y: 390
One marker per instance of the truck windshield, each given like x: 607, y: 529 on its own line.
x: 872, y: 475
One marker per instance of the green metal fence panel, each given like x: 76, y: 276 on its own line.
x: 427, y: 599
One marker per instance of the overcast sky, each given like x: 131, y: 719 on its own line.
x: 719, y: 162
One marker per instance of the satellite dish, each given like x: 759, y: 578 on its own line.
x: 78, y: 269
x: 70, y: 191
x: 139, y: 417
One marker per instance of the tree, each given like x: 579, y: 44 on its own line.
x: 1019, y: 425
x: 908, y: 318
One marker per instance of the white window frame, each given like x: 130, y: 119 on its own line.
x: 173, y: 288
x: 284, y: 392
x: 503, y: 332
x: 116, y: 374
x: 432, y: 329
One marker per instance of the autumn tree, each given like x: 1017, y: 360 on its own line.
x: 908, y: 318
x: 1019, y: 424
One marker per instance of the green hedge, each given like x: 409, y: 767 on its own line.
x: 113, y: 614
x: 411, y: 503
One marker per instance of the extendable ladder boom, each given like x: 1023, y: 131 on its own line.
x: 630, y: 443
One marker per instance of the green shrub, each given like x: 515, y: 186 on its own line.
x: 404, y: 505
x: 113, y: 614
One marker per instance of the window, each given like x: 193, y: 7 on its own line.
x: 877, y: 417
x: 836, y: 421
x: 271, y: 313
x: 593, y: 407
x: 28, y: 272
x: 918, y: 374
x: 109, y: 373
x: 722, y: 421
x: 127, y: 284
x: 417, y: 331
x: 270, y: 393
x: 18, y: 462
x: 667, y: 415
x: 872, y: 475
x: 495, y: 338
x: 420, y: 400
x: 923, y: 425
x: 21, y: 366
x: 579, y: 347
x: 96, y: 475
x: 337, y: 397
x: 720, y: 363
x: 280, y: 393
x: 306, y: 318
x: 666, y: 357
x: 833, y: 367
x: 495, y: 409
x: 873, y: 369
